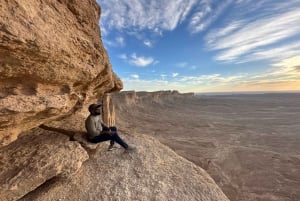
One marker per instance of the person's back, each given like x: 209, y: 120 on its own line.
x: 93, y: 126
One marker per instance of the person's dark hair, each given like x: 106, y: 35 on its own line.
x: 93, y: 107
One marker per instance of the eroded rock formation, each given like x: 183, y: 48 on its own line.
x: 52, y: 62
x: 108, y: 110
x: 35, y: 158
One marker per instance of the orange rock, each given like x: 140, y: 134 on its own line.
x: 52, y: 62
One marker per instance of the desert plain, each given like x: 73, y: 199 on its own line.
x: 248, y: 143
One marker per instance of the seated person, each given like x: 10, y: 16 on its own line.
x: 99, y: 132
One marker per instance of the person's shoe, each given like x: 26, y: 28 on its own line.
x: 110, y: 148
x: 131, y: 148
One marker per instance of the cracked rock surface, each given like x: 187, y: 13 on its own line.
x: 35, y: 158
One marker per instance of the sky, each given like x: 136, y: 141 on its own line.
x: 203, y: 45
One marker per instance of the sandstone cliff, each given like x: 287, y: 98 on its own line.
x: 52, y: 62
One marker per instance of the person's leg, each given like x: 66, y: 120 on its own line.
x: 112, y: 142
x: 119, y: 140
x: 113, y: 137
x: 101, y: 138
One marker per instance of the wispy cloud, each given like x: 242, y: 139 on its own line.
x: 160, y: 15
x: 119, y: 41
x: 157, y: 16
x: 182, y: 83
x: 175, y: 74
x: 163, y: 76
x: 277, y: 53
x: 207, y: 12
x: 181, y: 64
x: 148, y: 43
x: 285, y: 75
x: 249, y: 85
x: 297, y: 68
x: 288, y: 67
x: 135, y: 76
x: 256, y: 37
x: 123, y: 56
x: 140, y: 60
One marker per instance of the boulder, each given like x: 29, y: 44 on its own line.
x: 33, y: 159
x: 81, y: 137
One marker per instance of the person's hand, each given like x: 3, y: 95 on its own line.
x: 109, y: 132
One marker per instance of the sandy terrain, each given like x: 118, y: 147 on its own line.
x: 249, y: 144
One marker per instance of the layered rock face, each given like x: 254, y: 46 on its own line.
x: 52, y: 62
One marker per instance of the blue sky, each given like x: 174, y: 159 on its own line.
x: 203, y: 45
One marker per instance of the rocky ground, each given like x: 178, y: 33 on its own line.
x: 152, y: 172
x: 249, y: 144
x: 44, y: 164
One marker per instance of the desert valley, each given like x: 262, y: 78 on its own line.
x: 248, y: 143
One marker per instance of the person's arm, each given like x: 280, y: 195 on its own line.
x: 104, y: 127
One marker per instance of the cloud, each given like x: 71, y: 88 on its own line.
x: 146, y: 85
x: 183, y: 84
x: 120, y: 41
x: 269, y: 80
x: 284, y: 75
x: 140, y: 61
x: 246, y: 38
x: 148, y: 43
x: 288, y: 67
x: 175, y: 74
x: 123, y: 56
x: 297, y: 68
x: 207, y: 13
x: 135, y: 76
x: 276, y: 53
x: 116, y: 42
x: 163, y: 76
x: 157, y: 16
x: 221, y: 32
x: 181, y: 64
